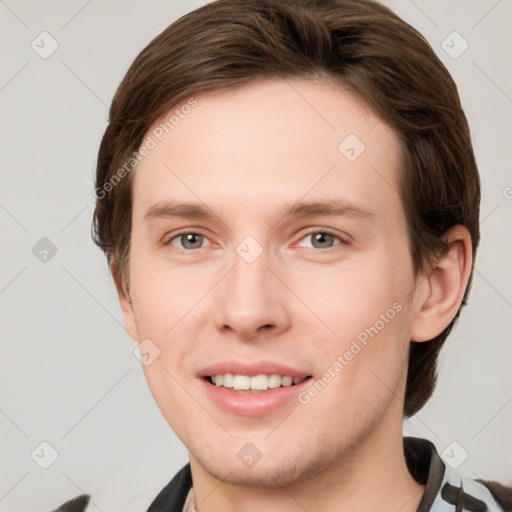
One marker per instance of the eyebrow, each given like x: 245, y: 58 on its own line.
x: 331, y: 208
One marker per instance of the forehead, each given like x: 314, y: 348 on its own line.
x: 270, y: 140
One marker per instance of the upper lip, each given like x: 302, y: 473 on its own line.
x: 251, y: 369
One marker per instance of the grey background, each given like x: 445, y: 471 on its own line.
x: 69, y: 376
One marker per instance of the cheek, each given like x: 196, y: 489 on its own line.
x: 361, y: 373
x: 164, y: 296
x: 363, y: 316
x: 351, y: 298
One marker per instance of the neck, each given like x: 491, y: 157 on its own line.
x: 371, y: 476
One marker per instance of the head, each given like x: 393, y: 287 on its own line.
x: 249, y: 110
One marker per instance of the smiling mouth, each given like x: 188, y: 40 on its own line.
x: 254, y: 384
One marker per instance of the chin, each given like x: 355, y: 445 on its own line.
x: 270, y: 471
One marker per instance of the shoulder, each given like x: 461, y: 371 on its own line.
x: 502, y: 494
x: 170, y: 499
x: 459, y: 493
x: 78, y: 504
x: 446, y: 490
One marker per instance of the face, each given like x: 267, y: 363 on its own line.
x: 271, y: 274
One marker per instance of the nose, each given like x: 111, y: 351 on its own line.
x: 251, y: 302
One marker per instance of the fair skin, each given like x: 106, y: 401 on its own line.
x: 244, y: 155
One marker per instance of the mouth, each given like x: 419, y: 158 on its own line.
x: 254, y: 383
x: 253, y: 388
x: 251, y: 392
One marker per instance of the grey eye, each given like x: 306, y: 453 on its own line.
x: 322, y: 240
x: 189, y: 241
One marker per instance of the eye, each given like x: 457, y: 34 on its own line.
x: 321, y: 240
x: 188, y: 241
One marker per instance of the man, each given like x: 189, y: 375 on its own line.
x: 288, y: 200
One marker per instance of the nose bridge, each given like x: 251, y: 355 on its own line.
x: 250, y: 298
x: 249, y: 276
x: 248, y: 284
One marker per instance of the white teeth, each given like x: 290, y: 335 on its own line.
x: 286, y: 381
x: 274, y: 381
x: 242, y: 382
x: 227, y: 380
x: 256, y: 383
x: 260, y: 382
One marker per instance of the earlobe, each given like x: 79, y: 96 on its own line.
x: 443, y: 289
x: 125, y: 302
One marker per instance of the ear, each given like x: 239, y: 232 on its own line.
x: 126, y: 303
x: 440, y: 293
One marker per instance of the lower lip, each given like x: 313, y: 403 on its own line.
x: 253, y: 404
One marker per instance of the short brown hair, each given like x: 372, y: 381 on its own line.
x: 359, y: 43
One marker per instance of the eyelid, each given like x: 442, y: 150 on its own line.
x: 343, y: 238
x: 169, y: 237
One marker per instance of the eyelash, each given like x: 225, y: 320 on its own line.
x: 341, y: 240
